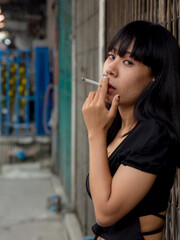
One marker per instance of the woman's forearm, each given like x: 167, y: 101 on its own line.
x: 98, y: 119
x: 99, y: 173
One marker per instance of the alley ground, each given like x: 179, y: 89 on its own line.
x: 24, y: 212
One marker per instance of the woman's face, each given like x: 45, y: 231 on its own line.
x: 127, y: 77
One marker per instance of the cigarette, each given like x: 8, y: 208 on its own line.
x: 90, y: 81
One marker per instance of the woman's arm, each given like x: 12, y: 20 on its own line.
x: 112, y: 197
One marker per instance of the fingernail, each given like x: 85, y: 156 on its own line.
x: 104, y: 75
x: 100, y: 85
x: 118, y: 98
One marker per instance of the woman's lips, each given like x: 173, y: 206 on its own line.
x: 111, y: 89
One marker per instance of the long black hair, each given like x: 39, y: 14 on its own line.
x: 155, y: 47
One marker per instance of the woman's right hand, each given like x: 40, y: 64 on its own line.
x: 96, y: 116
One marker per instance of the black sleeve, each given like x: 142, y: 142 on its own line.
x: 148, y: 148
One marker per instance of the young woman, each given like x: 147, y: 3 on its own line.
x: 133, y: 145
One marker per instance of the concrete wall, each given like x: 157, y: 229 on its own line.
x: 85, y: 63
x: 86, y: 52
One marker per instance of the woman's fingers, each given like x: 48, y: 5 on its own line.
x: 114, y: 106
x: 96, y: 97
x: 99, y: 96
x: 91, y: 96
x: 89, y: 99
x: 104, y: 88
x: 98, y: 92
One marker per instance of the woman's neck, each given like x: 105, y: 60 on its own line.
x: 128, y: 120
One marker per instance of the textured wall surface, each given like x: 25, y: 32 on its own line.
x: 166, y: 13
x: 118, y: 13
x: 86, y: 34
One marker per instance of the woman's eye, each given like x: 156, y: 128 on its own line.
x: 111, y: 56
x: 128, y: 63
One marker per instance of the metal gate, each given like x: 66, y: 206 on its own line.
x: 166, y: 13
x: 120, y: 12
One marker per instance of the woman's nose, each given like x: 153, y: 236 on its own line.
x: 112, y: 69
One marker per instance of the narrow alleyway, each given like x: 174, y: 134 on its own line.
x: 24, y: 215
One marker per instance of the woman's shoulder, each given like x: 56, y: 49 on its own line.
x: 148, y: 148
x: 153, y: 124
x: 152, y: 129
x: 148, y: 134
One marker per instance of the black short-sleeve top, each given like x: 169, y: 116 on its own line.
x: 148, y: 148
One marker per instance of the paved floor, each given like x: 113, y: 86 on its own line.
x: 24, y: 215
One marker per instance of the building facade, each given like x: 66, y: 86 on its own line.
x: 90, y: 25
